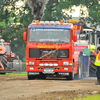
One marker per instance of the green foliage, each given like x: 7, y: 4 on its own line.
x: 92, y: 97
x: 1, y: 2
x: 93, y: 7
x: 16, y: 73
x: 12, y: 23
x: 3, y: 24
x: 54, y: 12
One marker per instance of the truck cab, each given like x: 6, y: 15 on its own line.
x: 49, y: 49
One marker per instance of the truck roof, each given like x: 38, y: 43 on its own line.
x: 88, y: 30
x: 50, y: 27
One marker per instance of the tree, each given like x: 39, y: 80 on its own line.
x: 1, y: 2
x: 12, y: 24
x: 93, y: 7
x: 54, y: 12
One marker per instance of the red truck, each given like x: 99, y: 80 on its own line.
x: 79, y: 46
x: 50, y: 49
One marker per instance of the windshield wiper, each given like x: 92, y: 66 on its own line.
x: 42, y: 41
x: 61, y: 41
x: 47, y: 41
x: 32, y: 41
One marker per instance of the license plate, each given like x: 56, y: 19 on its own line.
x: 33, y: 73
x: 48, y: 70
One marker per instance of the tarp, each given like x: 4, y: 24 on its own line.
x: 86, y: 51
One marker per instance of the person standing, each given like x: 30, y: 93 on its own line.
x: 97, y: 64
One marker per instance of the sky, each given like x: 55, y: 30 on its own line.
x: 19, y: 3
x: 76, y: 12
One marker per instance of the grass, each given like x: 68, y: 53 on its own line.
x: 16, y: 73
x: 92, y: 97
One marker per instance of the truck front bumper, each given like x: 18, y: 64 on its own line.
x: 49, y: 70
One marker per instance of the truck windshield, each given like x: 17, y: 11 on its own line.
x: 82, y: 36
x: 47, y: 35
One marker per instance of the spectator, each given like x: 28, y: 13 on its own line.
x: 97, y: 63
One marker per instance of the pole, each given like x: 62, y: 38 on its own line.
x: 95, y: 35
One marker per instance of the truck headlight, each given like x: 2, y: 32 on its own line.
x: 65, y: 63
x: 55, y: 64
x: 31, y: 68
x: 51, y: 64
x: 41, y: 64
x: 46, y: 64
x: 31, y: 62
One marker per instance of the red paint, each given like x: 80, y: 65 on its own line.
x: 60, y: 61
x: 2, y: 49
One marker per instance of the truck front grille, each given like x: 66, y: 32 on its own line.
x: 48, y: 53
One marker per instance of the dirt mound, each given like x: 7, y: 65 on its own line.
x: 20, y: 88
x: 63, y: 95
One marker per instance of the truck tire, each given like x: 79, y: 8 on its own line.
x: 17, y: 65
x: 79, y: 74
x: 9, y: 65
x: 92, y: 66
x: 30, y: 77
x: 20, y: 64
x: 71, y: 74
x: 42, y: 76
x: 3, y: 59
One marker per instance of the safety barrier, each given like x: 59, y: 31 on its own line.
x: 84, y: 64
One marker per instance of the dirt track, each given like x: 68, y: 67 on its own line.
x: 19, y: 88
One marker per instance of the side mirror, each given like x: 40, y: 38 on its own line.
x: 75, y: 38
x: 24, y: 36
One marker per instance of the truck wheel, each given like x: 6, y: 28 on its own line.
x: 17, y: 65
x: 42, y: 76
x: 30, y: 77
x: 71, y: 75
x: 79, y: 74
x: 3, y: 59
x: 92, y: 66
